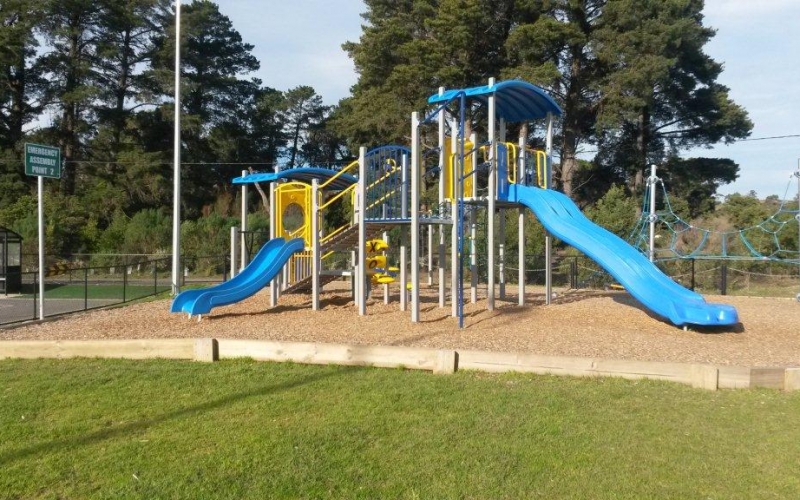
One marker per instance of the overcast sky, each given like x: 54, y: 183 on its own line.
x: 299, y: 43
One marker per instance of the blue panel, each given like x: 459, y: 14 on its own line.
x: 515, y: 100
x: 301, y: 174
x: 640, y: 277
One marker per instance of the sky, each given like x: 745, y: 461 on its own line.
x: 757, y: 41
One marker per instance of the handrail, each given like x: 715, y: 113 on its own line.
x: 541, y: 167
x: 381, y: 179
x: 334, y: 233
x: 337, y: 196
x: 379, y: 200
x: 338, y: 174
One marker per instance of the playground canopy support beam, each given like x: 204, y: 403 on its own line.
x: 442, y: 238
x: 415, y: 167
x: 315, y: 251
x: 651, y: 217
x: 501, y: 247
x: 548, y: 240
x: 404, y: 237
x: 243, y: 246
x: 492, y: 196
x: 473, y: 225
x: 454, y: 215
x: 521, y: 178
x: 362, y: 232
x: 274, y: 285
x: 234, y: 250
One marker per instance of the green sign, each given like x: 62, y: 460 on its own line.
x: 42, y: 160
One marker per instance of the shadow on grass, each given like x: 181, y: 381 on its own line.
x: 67, y: 444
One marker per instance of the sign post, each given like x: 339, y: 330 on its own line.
x: 42, y: 161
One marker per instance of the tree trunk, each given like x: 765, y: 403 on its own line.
x: 571, y: 129
x: 642, y: 141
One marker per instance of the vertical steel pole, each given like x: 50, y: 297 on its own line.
x: 501, y: 247
x: 243, y: 247
x: 274, y: 285
x: 315, y: 251
x: 176, y: 193
x: 473, y: 224
x: 442, y: 176
x: 523, y: 144
x: 234, y: 250
x: 40, y: 216
x: 491, y: 199
x: 415, y: 168
x: 404, y: 238
x: 548, y: 240
x: 362, y: 231
x: 651, y: 217
x: 455, y: 135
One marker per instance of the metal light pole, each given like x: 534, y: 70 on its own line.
x: 176, y: 193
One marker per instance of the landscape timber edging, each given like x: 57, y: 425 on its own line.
x: 703, y: 376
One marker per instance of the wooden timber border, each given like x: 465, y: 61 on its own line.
x: 703, y: 376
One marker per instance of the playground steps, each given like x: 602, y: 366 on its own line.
x: 347, y: 239
x: 344, y: 241
x: 305, y: 285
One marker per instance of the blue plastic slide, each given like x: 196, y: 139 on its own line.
x: 640, y: 277
x: 264, y: 267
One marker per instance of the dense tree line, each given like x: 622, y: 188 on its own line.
x: 95, y: 78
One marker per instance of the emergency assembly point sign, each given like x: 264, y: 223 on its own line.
x: 42, y: 160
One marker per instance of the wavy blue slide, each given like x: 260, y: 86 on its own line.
x: 264, y: 267
x: 640, y: 277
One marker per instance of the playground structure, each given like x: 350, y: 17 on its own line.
x: 384, y: 188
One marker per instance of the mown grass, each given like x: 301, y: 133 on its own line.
x: 167, y: 429
x: 93, y: 291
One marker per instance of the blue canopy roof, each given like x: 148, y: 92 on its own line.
x: 515, y: 100
x: 302, y: 174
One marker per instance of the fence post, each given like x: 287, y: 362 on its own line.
x: 693, y: 274
x: 724, y: 280
x: 85, y: 288
x: 35, y: 290
x: 155, y: 277
x: 125, y: 278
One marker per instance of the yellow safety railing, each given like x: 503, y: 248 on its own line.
x: 541, y: 167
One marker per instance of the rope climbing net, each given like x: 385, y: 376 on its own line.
x: 773, y: 239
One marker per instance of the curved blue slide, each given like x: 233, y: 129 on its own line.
x: 264, y: 267
x: 640, y: 277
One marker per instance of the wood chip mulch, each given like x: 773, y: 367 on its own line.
x: 604, y: 324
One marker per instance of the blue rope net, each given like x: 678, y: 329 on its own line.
x: 773, y: 239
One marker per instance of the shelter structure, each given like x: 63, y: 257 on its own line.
x: 10, y: 261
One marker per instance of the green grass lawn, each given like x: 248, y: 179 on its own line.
x: 167, y: 429
x: 102, y: 291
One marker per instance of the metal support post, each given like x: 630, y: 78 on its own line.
x: 442, y: 239
x: 415, y: 169
x: 651, y: 217
x: 234, y: 250
x: 316, y: 261
x: 243, y: 248
x: 473, y: 225
x: 491, y: 199
x: 274, y: 286
x: 362, y: 231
